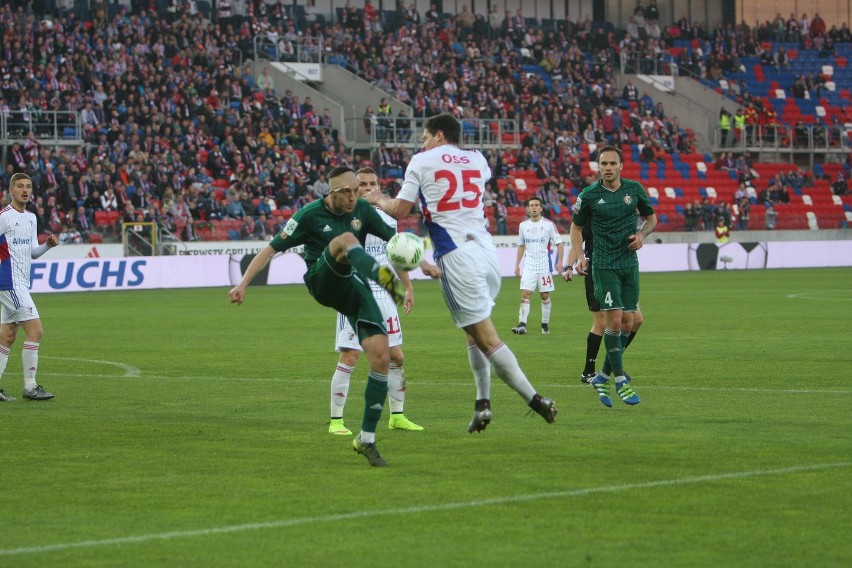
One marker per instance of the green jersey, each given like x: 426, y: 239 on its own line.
x: 314, y: 225
x: 612, y: 215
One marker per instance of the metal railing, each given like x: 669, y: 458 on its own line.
x: 800, y: 139
x: 49, y: 126
x: 307, y: 49
x: 407, y: 132
x: 639, y: 65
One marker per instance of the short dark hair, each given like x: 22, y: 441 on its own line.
x: 535, y: 198
x: 446, y: 123
x: 611, y: 148
x: 366, y: 170
x: 339, y: 171
x: 17, y: 176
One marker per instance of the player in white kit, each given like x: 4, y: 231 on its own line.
x: 449, y: 183
x: 347, y: 340
x: 536, y: 236
x: 18, y: 247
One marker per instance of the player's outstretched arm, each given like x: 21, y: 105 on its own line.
x: 39, y: 250
x: 396, y: 208
x: 258, y: 263
x: 430, y: 270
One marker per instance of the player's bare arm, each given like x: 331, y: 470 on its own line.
x: 521, y: 250
x: 431, y: 270
x: 396, y: 208
x: 576, y: 247
x: 637, y: 240
x: 560, y: 257
x: 258, y: 263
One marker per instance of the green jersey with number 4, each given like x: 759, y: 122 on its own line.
x: 612, y: 215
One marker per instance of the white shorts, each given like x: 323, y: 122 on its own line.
x: 544, y: 281
x: 348, y: 339
x: 17, y: 306
x: 471, y: 282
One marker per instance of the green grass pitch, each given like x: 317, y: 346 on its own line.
x: 187, y: 431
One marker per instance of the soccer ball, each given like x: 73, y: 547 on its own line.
x: 729, y: 256
x: 405, y: 251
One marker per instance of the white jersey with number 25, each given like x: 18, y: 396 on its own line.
x: 449, y: 183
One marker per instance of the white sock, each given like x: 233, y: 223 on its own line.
x: 545, y: 311
x: 30, y: 357
x: 524, y: 312
x: 506, y: 367
x: 396, y: 388
x: 4, y: 358
x: 368, y: 437
x: 481, y: 371
x: 340, y: 389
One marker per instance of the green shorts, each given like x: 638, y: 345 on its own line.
x: 617, y: 288
x: 337, y: 286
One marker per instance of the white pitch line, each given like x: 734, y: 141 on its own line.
x: 284, y: 523
x: 426, y: 383
x: 129, y: 370
x: 818, y: 295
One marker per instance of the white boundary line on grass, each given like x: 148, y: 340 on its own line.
x: 130, y: 371
x: 818, y: 295
x: 422, y: 509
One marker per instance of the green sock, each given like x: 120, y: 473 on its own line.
x: 612, y: 344
x: 374, y: 400
x: 362, y: 262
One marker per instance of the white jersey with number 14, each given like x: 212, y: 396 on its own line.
x: 449, y: 183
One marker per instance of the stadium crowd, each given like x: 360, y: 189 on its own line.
x: 178, y: 131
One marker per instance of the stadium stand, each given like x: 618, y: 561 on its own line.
x: 175, y: 116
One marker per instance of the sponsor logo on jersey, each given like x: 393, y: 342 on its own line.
x: 448, y: 159
x: 17, y: 241
x: 601, y: 201
x: 326, y: 229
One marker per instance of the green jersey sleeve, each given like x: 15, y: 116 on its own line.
x: 293, y: 234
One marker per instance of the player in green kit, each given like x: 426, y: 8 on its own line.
x: 610, y: 206
x: 333, y: 231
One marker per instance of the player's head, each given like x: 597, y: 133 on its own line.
x: 610, y: 164
x: 368, y: 180
x: 21, y: 187
x: 534, y: 207
x: 441, y: 129
x: 342, y: 189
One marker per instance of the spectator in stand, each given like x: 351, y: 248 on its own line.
x: 743, y: 214
x: 501, y: 214
x: 433, y: 17
x: 109, y: 201
x: 771, y: 216
x: 817, y: 26
x: 840, y: 184
x: 465, y: 20
x: 234, y: 209
x: 690, y: 218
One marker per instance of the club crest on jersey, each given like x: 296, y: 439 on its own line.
x: 356, y: 224
x: 628, y: 200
